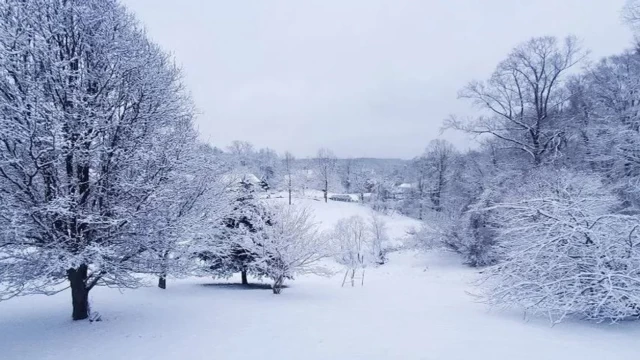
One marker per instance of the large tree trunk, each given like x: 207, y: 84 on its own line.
x: 79, y: 292
x: 244, y: 277
x: 162, y: 281
x: 277, y: 285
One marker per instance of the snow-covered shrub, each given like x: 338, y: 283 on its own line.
x: 479, y: 244
x: 468, y: 234
x: 293, y: 245
x: 352, y: 242
x: 565, y: 251
x: 377, y: 228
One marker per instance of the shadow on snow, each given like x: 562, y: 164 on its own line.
x: 238, y: 286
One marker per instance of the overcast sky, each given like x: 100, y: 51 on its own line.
x: 367, y: 78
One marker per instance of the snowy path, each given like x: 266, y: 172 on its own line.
x: 415, y: 307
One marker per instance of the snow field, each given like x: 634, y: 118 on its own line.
x: 415, y: 307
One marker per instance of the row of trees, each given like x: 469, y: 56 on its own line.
x: 324, y: 172
x: 549, y: 201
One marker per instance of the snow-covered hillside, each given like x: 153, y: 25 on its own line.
x: 328, y: 214
x: 415, y: 307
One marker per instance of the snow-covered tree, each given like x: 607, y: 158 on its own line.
x: 377, y: 228
x: 237, y: 247
x: 93, y: 122
x: 303, y: 177
x: 566, y: 251
x: 325, y: 167
x: 605, y: 113
x: 524, y: 97
x: 352, y: 242
x: 359, y: 180
x: 242, y: 152
x: 288, y: 167
x: 293, y: 245
x: 195, y: 201
x: 440, y: 156
x: 631, y: 15
x: 383, y: 196
x: 267, y: 168
x: 345, y: 172
x: 432, y: 173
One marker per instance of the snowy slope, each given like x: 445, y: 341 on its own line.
x: 328, y: 214
x: 415, y: 307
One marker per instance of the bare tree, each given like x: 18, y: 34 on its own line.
x: 359, y: 179
x: 420, y: 166
x: 440, y: 156
x: 267, y: 167
x: 433, y: 172
x: 353, y: 243
x: 631, y: 15
x: 243, y: 152
x: 524, y: 97
x: 346, y: 174
x: 377, y: 227
x: 288, y: 160
x: 326, y: 166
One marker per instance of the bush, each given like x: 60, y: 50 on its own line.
x: 565, y: 251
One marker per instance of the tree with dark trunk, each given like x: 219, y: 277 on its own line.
x: 243, y: 274
x: 162, y: 281
x: 79, y: 292
x: 93, y: 122
x: 278, y: 283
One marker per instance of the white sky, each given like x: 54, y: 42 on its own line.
x: 370, y: 78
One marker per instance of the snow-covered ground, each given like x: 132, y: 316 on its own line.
x: 414, y: 307
x: 328, y: 214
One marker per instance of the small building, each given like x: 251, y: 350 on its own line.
x: 341, y: 197
x: 402, y: 190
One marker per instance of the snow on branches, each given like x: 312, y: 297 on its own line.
x: 293, y: 245
x: 358, y: 243
x: 94, y: 125
x: 565, y: 250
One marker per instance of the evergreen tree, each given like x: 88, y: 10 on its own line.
x: 237, y: 246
